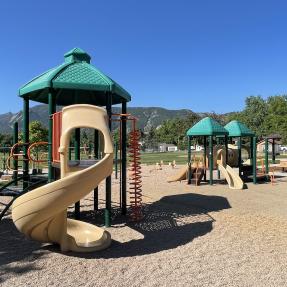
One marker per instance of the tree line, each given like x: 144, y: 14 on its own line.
x: 263, y: 116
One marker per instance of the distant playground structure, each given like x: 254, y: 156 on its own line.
x: 83, y: 90
x: 221, y: 154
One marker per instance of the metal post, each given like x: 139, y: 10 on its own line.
x: 239, y: 144
x: 77, y: 145
x: 266, y: 157
x: 15, y: 161
x: 96, y: 153
x: 70, y: 153
x: 26, y: 142
x: 273, y: 151
x: 251, y: 149
x: 4, y: 159
x: 254, y: 160
x: 189, y: 160
x: 124, y: 159
x: 51, y: 111
x: 210, y: 160
x: 116, y: 160
x: 108, y: 209
x: 204, y: 156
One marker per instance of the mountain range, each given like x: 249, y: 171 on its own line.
x: 147, y: 116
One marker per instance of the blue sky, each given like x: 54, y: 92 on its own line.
x: 203, y: 55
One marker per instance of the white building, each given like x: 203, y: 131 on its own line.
x: 163, y: 147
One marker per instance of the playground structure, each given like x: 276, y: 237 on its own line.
x: 41, y: 214
x: 225, y: 155
x: 77, y: 82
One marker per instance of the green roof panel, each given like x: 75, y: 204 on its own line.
x: 238, y: 129
x: 207, y: 127
x: 75, y: 81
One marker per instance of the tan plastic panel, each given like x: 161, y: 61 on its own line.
x: 232, y: 178
x: 180, y: 175
x: 42, y: 213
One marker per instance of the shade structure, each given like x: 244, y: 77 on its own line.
x: 207, y: 127
x: 75, y: 81
x: 274, y: 137
x: 237, y: 129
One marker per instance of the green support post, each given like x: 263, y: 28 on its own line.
x: 273, y: 151
x: 189, y: 160
x: 108, y: 209
x: 266, y: 158
x: 70, y: 152
x: 251, y: 149
x: 3, y: 158
x: 77, y: 145
x: 254, y: 160
x: 210, y: 160
x: 124, y: 160
x: 218, y: 171
x: 239, y: 144
x: 26, y: 142
x: 15, y: 161
x: 96, y: 154
x: 51, y: 111
x: 204, y: 156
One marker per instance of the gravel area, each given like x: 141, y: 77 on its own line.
x: 189, y: 236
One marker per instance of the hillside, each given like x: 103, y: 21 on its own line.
x: 148, y: 116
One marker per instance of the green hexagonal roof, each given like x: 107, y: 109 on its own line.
x: 238, y: 129
x: 75, y: 81
x: 207, y: 127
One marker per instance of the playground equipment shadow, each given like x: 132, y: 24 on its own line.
x: 168, y: 223
x: 10, y: 241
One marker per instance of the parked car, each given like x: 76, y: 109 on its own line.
x: 283, y: 148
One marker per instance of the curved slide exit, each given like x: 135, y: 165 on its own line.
x: 233, y: 179
x: 42, y: 213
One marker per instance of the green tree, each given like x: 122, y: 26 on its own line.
x: 37, y: 132
x: 254, y: 114
x: 6, y: 139
x: 276, y: 120
x: 116, y: 135
x: 150, y: 139
x: 173, y: 131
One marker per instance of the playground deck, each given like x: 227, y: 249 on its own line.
x: 190, y: 236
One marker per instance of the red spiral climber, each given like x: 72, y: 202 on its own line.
x: 135, y: 178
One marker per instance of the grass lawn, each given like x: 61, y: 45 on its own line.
x: 180, y: 157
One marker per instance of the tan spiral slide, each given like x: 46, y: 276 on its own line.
x: 42, y: 213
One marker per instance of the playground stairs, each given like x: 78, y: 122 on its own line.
x: 196, y: 176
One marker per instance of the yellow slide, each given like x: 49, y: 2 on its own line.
x: 181, y: 175
x: 233, y: 179
x: 42, y: 213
